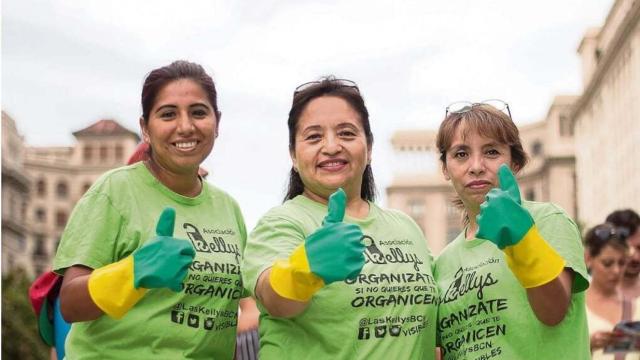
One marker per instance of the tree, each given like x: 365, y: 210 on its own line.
x: 20, y: 338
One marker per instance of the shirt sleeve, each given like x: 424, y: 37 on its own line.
x: 91, y: 235
x: 563, y: 235
x: 273, y: 238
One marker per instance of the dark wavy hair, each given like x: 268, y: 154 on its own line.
x: 603, y: 235
x: 329, y: 86
x: 625, y: 218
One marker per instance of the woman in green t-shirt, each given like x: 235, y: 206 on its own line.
x: 335, y: 275
x: 512, y: 283
x: 125, y: 286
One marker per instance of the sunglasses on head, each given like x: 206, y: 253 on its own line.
x: 338, y: 83
x: 604, y: 233
x: 461, y: 107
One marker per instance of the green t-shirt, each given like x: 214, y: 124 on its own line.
x: 389, y: 310
x: 484, y: 312
x: 113, y: 219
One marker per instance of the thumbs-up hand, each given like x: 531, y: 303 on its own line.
x: 506, y: 223
x: 163, y: 261
x: 334, y: 252
x: 502, y: 219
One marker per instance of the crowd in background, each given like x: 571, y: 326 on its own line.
x: 612, y: 254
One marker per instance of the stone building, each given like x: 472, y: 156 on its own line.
x: 15, y: 197
x: 420, y: 190
x: 61, y: 175
x: 606, y: 117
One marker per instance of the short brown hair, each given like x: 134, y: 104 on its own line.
x: 487, y: 121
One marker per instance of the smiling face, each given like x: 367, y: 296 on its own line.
x: 331, y: 148
x: 182, y: 127
x: 471, y: 164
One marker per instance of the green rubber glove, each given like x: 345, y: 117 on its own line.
x: 502, y: 219
x: 504, y: 222
x: 334, y: 252
x: 163, y: 261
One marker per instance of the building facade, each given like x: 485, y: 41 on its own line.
x: 15, y: 198
x: 59, y: 176
x: 606, y: 117
x: 420, y: 190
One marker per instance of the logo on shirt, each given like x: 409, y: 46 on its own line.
x: 217, y: 244
x: 464, y: 282
x: 375, y: 255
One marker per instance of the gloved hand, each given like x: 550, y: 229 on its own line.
x: 504, y: 222
x: 334, y: 252
x: 161, y: 263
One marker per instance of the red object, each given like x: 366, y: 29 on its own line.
x: 43, y: 293
x: 141, y: 153
x: 41, y: 289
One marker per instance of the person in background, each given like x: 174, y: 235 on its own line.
x: 630, y: 221
x: 335, y: 275
x: 606, y: 255
x: 512, y: 282
x: 140, y: 229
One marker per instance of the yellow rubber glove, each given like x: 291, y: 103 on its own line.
x: 332, y: 253
x: 161, y: 263
x: 504, y: 222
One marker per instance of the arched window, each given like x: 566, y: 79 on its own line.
x: 41, y: 215
x: 61, y: 218
x: 62, y: 190
x: 119, y: 153
x: 103, y: 152
x: 88, y: 153
x: 41, y: 188
x: 39, y: 248
x: 536, y: 148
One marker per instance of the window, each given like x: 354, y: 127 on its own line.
x: 564, y: 123
x: 61, y: 218
x: 103, y: 152
x: 20, y: 242
x: 119, y: 153
x: 88, y: 153
x: 39, y: 248
x: 41, y: 215
x: 10, y: 261
x: 62, y: 190
x: 85, y: 187
x: 23, y: 211
x: 536, y: 148
x: 12, y: 206
x: 41, y: 188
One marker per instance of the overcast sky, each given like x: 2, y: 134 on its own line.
x: 67, y: 64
